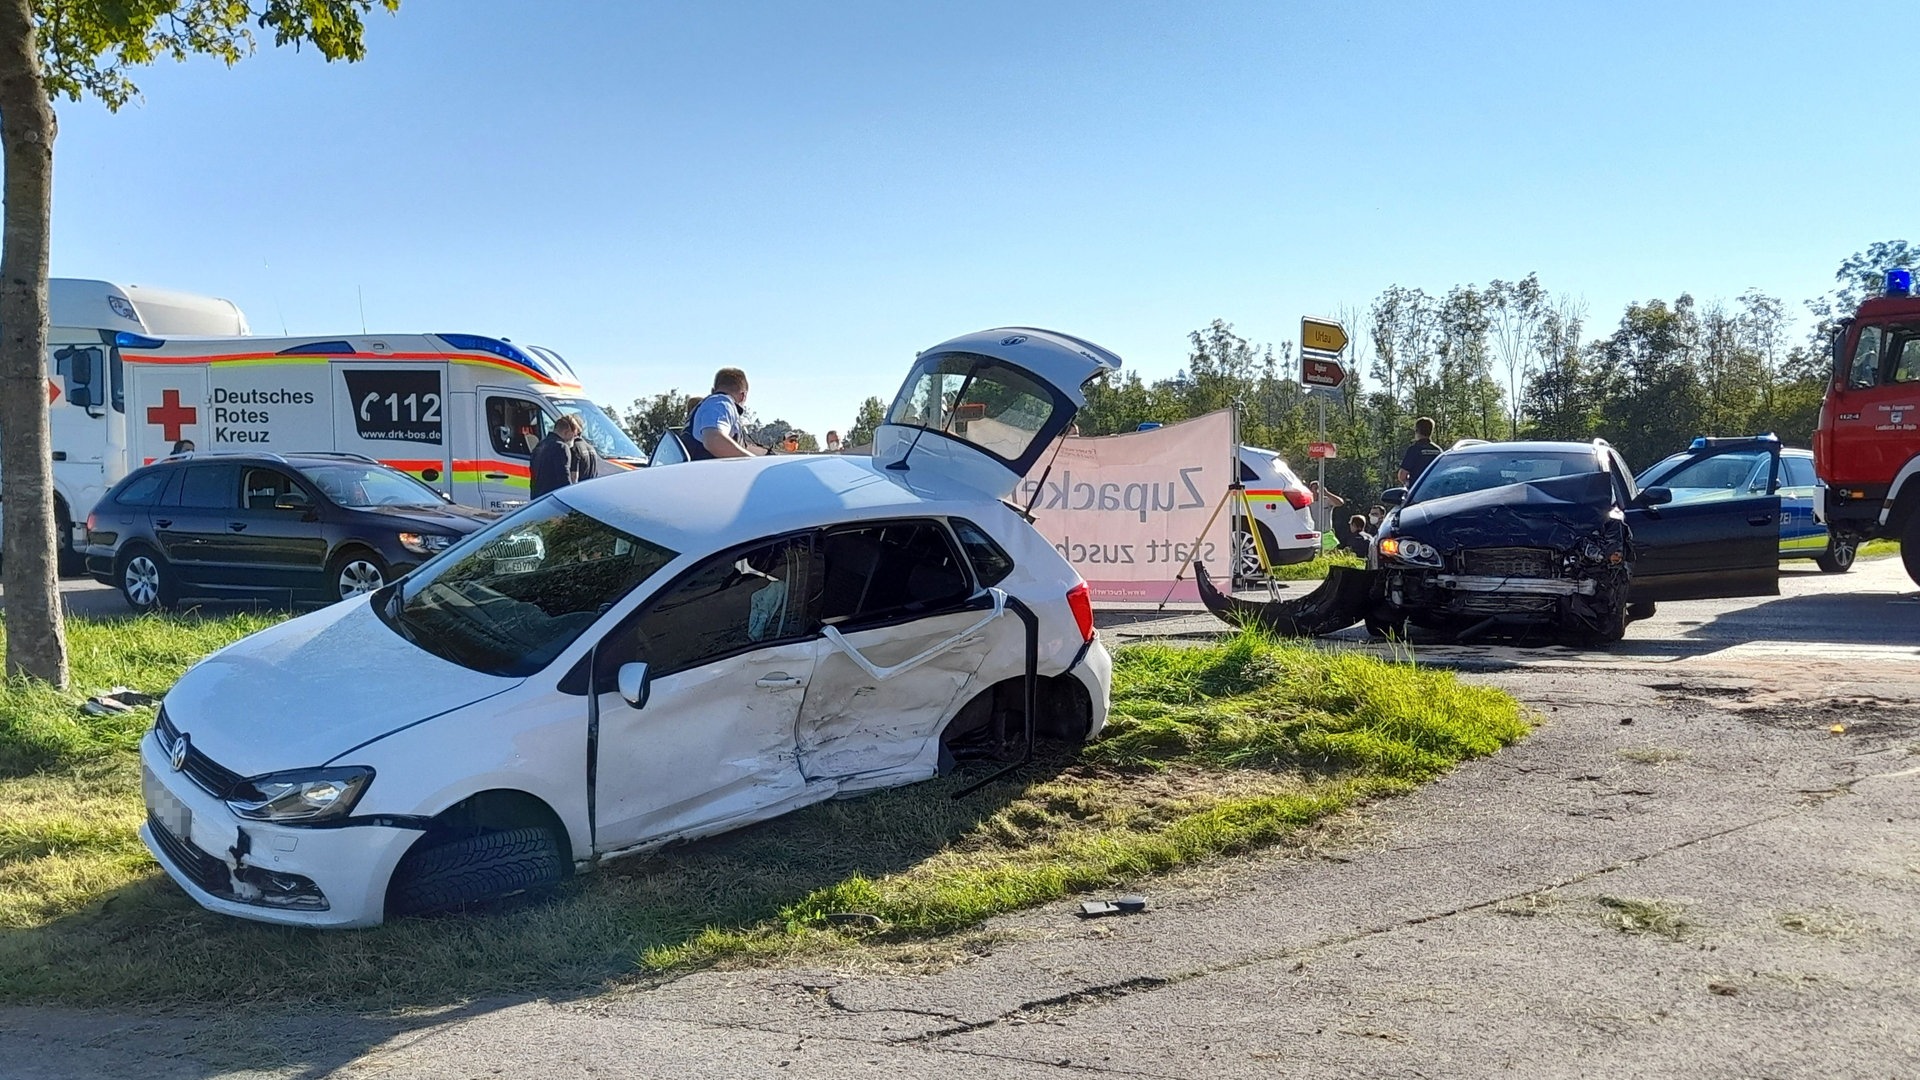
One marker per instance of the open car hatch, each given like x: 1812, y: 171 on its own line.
x: 981, y: 410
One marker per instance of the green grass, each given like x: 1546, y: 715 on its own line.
x: 1211, y: 752
x: 1317, y: 568
x: 1878, y: 549
x: 42, y: 728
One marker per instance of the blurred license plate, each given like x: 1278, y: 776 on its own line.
x: 169, y: 811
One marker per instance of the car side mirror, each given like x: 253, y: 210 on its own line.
x: 634, y: 684
x: 293, y: 500
x: 1654, y: 496
x: 1393, y: 496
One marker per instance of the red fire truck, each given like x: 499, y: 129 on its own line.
x: 1866, y: 448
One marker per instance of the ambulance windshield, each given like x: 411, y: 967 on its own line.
x: 607, y: 437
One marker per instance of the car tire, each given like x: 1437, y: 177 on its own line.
x: 353, y: 572
x: 477, y: 869
x: 71, y: 560
x: 1246, y: 558
x: 1612, y: 628
x: 145, y: 579
x: 1839, y: 555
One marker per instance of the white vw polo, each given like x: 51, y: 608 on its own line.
x: 648, y: 657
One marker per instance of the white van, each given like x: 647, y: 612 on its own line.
x: 133, y: 371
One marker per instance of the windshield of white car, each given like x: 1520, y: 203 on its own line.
x: 510, y: 598
x: 1458, y: 474
x: 607, y: 437
x: 975, y: 400
x: 358, y: 487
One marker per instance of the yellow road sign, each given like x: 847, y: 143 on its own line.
x: 1322, y: 335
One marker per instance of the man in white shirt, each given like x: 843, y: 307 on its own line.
x: 715, y: 430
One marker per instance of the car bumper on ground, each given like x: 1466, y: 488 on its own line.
x: 227, y: 863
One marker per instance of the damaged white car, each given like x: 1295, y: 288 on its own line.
x: 653, y: 656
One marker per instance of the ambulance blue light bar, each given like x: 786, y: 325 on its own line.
x: 1899, y: 283
x: 478, y: 343
x: 127, y: 339
x: 1704, y: 443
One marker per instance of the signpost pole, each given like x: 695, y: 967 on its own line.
x: 1321, y: 504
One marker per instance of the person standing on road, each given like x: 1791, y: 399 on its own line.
x: 584, y: 459
x: 553, y: 466
x: 715, y: 430
x: 1359, y: 540
x: 1420, y: 454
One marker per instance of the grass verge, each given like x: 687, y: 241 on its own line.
x: 1317, y: 568
x: 1878, y: 549
x: 1211, y: 751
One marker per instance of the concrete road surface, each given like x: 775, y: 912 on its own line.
x: 1686, y: 871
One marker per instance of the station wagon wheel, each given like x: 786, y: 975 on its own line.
x: 1839, y: 555
x: 356, y: 571
x: 146, y: 581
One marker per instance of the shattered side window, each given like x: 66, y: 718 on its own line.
x: 991, y: 563
x: 888, y: 571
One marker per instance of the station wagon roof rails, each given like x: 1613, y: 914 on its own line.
x: 196, y: 454
x: 347, y: 454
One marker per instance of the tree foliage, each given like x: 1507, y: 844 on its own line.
x: 74, y: 49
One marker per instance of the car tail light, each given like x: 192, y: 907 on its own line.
x: 90, y: 520
x: 1299, y: 498
x: 1080, y: 599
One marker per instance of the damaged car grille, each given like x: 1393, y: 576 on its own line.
x: 209, y: 775
x: 1517, y: 562
x: 205, y: 870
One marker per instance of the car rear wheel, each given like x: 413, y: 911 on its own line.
x: 1246, y: 557
x: 475, y: 869
x: 146, y: 581
x: 356, y: 571
x: 1839, y: 555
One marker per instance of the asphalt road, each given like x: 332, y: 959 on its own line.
x: 1747, y: 770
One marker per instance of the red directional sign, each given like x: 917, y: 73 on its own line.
x: 1319, y: 371
x: 1321, y: 450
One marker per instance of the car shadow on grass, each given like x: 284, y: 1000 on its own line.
x: 147, y: 944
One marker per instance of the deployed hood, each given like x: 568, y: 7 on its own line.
x: 981, y: 410
x: 306, y: 691
x: 1558, y: 512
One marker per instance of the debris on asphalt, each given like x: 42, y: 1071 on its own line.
x: 1121, y: 905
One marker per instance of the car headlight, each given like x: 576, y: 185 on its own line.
x: 1409, y: 551
x: 304, y: 795
x: 425, y: 543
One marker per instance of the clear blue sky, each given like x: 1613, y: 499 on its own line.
x: 815, y: 192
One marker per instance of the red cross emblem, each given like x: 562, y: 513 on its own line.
x: 171, y: 415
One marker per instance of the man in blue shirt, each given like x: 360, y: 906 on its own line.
x: 715, y: 429
x: 1420, y: 454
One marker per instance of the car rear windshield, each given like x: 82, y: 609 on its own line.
x: 510, y: 598
x: 1458, y: 474
x: 976, y: 400
x: 361, y: 486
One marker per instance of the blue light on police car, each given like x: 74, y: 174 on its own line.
x: 1699, y: 443
x: 1899, y: 283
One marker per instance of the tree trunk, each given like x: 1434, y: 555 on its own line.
x: 36, y: 636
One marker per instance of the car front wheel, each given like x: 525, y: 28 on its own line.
x: 476, y: 869
x: 356, y: 572
x: 146, y: 581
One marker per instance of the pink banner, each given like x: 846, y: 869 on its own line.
x: 1128, y: 510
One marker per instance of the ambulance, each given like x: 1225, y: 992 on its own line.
x: 133, y: 371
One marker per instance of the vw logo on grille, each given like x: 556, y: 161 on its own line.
x: 177, y: 757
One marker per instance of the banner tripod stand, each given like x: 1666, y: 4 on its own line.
x: 1234, y: 488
